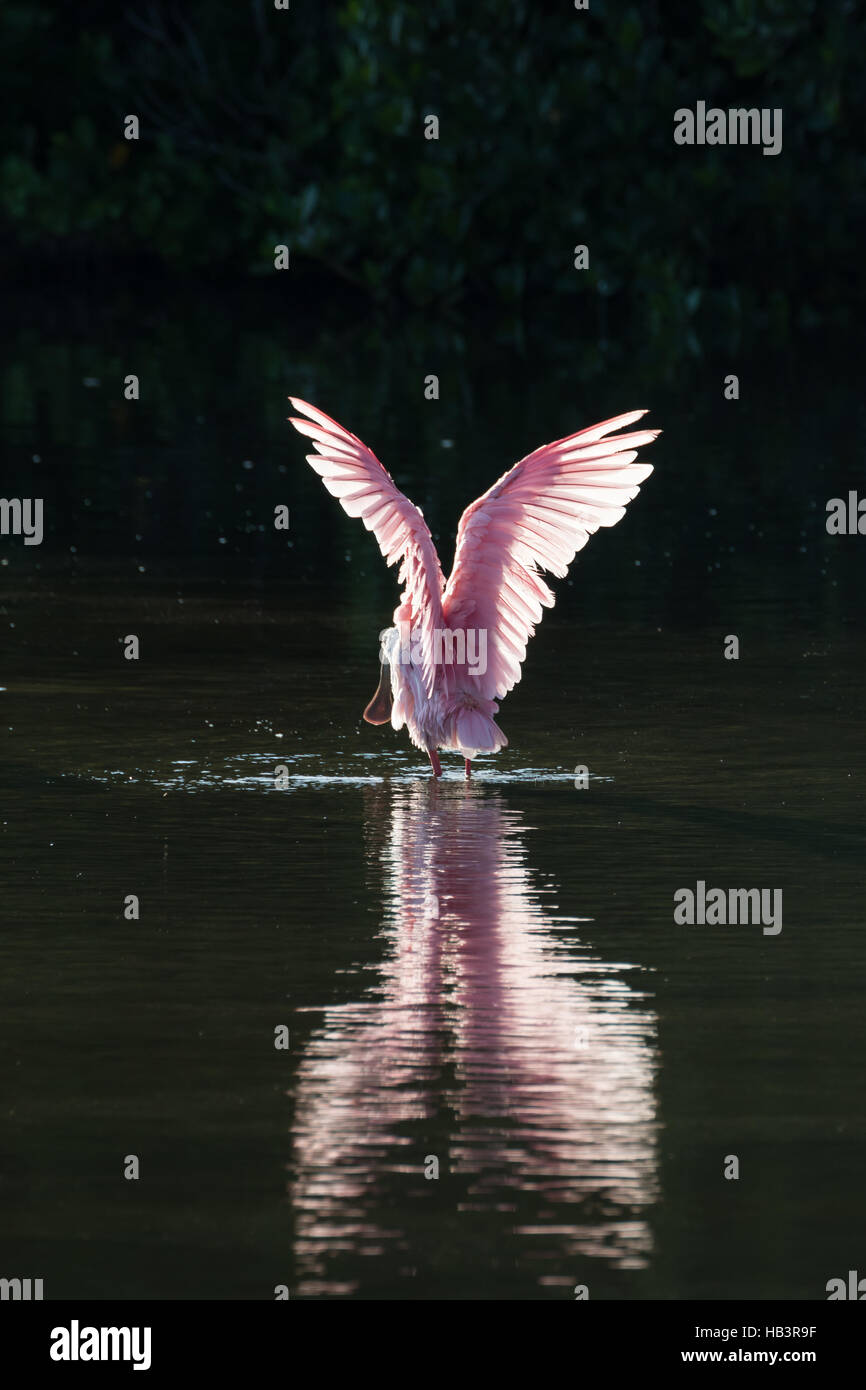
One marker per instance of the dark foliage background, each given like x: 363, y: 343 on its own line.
x: 305, y: 127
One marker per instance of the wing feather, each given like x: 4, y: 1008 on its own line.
x: 536, y: 517
x: 352, y: 473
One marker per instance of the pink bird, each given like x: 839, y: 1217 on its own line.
x: 456, y: 649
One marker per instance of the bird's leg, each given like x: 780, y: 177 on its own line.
x: 468, y: 767
x: 434, y: 762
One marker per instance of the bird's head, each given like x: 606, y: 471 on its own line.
x: 379, y: 709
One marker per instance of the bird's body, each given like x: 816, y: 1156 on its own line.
x: 456, y: 648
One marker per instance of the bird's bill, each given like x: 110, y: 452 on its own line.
x: 379, y: 709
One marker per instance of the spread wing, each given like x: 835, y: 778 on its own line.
x: 536, y: 517
x: 352, y: 473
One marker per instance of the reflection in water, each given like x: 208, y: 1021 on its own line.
x: 494, y: 1041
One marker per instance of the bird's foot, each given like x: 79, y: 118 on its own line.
x: 434, y: 762
x: 468, y: 766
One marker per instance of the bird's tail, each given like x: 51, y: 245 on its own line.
x: 474, y: 730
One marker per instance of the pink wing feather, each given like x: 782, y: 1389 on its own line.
x: 352, y: 473
x: 537, y: 516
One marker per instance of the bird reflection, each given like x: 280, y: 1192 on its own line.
x: 492, y: 1042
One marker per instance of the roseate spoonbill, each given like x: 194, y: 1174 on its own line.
x: 456, y: 648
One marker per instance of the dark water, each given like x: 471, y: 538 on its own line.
x: 488, y: 976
